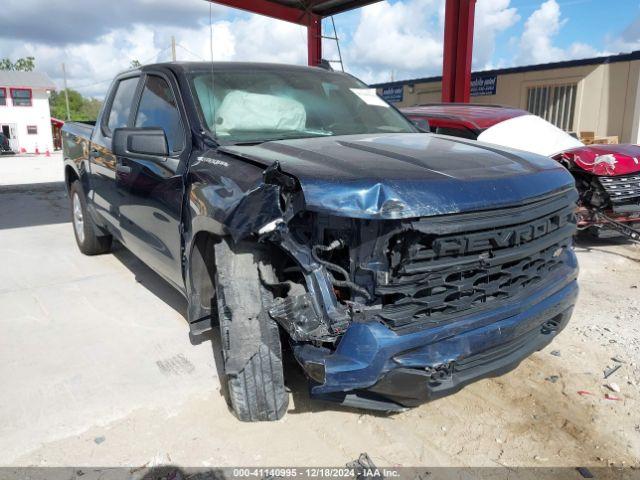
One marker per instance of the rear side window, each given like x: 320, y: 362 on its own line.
x: 121, y: 105
x: 457, y: 132
x: 158, y: 108
x: 421, y: 123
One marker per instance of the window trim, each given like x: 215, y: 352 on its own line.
x: 106, y: 112
x: 4, y: 89
x: 179, y: 105
x: 30, y: 90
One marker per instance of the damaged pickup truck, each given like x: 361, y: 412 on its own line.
x: 297, y: 210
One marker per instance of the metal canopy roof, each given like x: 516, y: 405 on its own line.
x: 296, y: 11
x: 458, y: 33
x: 324, y: 8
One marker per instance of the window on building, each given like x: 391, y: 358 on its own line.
x: 21, y: 97
x: 3, y: 97
x: 121, y: 104
x: 158, y: 109
x: 32, y: 129
x: 555, y: 103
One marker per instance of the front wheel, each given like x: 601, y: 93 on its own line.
x: 84, y: 228
x: 250, y: 337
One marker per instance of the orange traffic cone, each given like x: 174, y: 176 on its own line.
x: 47, y: 153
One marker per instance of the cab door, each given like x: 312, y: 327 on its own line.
x: 105, y: 192
x: 151, y: 209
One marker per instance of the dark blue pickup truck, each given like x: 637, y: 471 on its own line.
x: 295, y: 209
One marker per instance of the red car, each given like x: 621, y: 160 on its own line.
x: 607, y: 176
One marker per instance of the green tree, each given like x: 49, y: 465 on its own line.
x: 26, y: 64
x: 90, y: 108
x: 135, y: 64
x: 80, y: 108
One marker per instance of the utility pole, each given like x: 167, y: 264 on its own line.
x: 173, y: 48
x: 66, y: 92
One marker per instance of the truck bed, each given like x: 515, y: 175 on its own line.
x: 76, y: 140
x: 80, y: 129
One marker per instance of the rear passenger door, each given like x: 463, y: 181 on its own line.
x: 105, y: 192
x: 151, y: 210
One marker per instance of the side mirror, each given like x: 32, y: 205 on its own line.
x: 129, y: 142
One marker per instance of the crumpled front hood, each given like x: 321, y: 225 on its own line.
x: 408, y: 175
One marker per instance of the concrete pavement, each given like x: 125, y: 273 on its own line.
x: 20, y: 169
x: 83, y: 340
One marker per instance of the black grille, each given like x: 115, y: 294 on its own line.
x: 622, y: 189
x: 434, y: 278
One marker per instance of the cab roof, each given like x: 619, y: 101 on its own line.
x: 473, y: 117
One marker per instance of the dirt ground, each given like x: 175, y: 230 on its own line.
x: 551, y: 411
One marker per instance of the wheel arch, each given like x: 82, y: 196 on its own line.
x: 200, y: 280
x: 70, y: 176
x: 75, y: 171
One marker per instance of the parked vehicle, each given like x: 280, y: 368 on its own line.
x: 5, y: 147
x: 293, y: 203
x: 607, y: 176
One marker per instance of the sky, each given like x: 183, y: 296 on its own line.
x: 397, y: 39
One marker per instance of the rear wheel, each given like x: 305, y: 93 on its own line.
x: 250, y: 337
x: 84, y: 228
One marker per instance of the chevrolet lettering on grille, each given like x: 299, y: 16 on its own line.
x: 508, y: 237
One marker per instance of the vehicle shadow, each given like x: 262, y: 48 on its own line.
x: 588, y: 243
x: 150, y: 280
x: 33, y: 204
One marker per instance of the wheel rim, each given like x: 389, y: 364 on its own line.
x: 78, y: 219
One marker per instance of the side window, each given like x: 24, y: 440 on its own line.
x: 158, y: 109
x: 121, y: 105
x: 421, y: 123
x: 457, y: 132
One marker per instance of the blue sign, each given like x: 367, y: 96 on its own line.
x: 392, y: 94
x: 481, y: 86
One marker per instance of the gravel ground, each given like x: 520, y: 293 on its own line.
x: 556, y: 409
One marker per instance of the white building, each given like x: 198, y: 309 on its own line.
x: 25, y: 117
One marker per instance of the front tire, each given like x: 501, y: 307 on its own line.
x: 84, y: 228
x: 250, y: 337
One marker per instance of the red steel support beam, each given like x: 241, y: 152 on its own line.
x: 314, y: 40
x: 451, y: 14
x: 458, y: 49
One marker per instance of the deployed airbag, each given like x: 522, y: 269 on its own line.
x: 246, y: 111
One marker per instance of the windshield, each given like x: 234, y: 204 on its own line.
x: 260, y: 105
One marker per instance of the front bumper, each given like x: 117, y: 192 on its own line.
x: 375, y: 367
